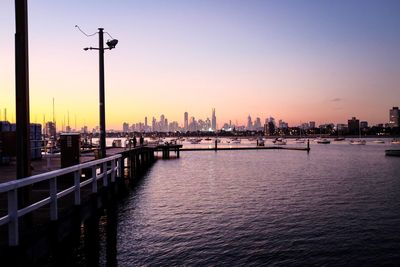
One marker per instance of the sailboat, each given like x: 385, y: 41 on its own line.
x: 300, y: 140
x: 338, y: 139
x: 359, y: 141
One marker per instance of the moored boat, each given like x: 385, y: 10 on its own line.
x: 392, y: 152
x: 323, y: 141
x: 358, y: 142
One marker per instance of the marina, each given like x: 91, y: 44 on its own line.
x: 203, y: 134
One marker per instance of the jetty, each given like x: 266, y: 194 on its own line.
x: 42, y: 210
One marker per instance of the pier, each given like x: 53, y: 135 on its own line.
x: 61, y: 199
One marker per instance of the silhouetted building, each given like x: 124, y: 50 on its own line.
x: 271, y: 126
x: 125, y: 127
x: 363, y: 124
x: 213, y: 120
x: 249, y: 123
x: 186, y: 121
x: 353, y: 125
x: 394, y: 117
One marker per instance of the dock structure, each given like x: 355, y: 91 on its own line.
x: 61, y: 199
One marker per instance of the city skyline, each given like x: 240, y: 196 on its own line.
x: 295, y: 60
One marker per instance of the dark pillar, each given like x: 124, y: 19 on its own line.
x: 22, y: 98
x: 102, y: 97
x: 22, y: 88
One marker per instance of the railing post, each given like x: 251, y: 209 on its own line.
x: 53, y: 199
x: 105, y: 177
x: 94, y: 180
x: 113, y: 170
x: 13, y: 235
x: 77, y: 183
x: 120, y: 169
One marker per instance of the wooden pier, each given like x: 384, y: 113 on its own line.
x: 61, y: 200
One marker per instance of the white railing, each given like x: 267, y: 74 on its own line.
x: 11, y: 188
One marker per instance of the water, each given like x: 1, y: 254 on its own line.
x: 338, y: 205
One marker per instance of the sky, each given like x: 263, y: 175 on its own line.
x: 299, y: 61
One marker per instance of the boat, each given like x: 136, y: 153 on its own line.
x: 358, y: 142
x: 378, y: 141
x: 194, y: 141
x: 279, y: 142
x: 338, y: 139
x: 392, y: 152
x: 323, y: 141
x: 236, y: 141
x: 299, y: 141
x: 208, y: 139
x: 395, y: 142
x: 218, y: 140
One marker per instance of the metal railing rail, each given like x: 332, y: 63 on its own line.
x: 11, y: 188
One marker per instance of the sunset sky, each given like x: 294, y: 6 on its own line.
x: 298, y: 61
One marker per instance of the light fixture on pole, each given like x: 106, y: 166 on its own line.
x: 111, y: 44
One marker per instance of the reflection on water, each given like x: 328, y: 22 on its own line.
x: 338, y: 205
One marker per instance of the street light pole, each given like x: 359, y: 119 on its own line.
x: 102, y: 97
x: 102, y: 105
x: 22, y: 89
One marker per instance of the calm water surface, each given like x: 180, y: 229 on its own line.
x: 338, y: 205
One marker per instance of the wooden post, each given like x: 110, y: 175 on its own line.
x: 13, y: 234
x: 77, y: 180
x: 53, y: 199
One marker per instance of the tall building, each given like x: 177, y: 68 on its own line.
x: 394, y: 117
x: 249, y: 123
x: 213, y: 120
x: 271, y: 126
x: 354, y: 126
x: 257, y: 124
x: 154, y: 125
x: 125, y: 127
x: 186, y: 121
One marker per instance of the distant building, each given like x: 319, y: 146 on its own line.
x: 282, y: 124
x: 363, y: 124
x: 249, y: 123
x: 186, y: 121
x: 394, y: 117
x: 271, y: 126
x: 312, y: 124
x: 257, y: 124
x: 354, y: 126
x: 213, y: 120
x: 125, y: 127
x: 154, y: 125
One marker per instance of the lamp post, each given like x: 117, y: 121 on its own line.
x: 111, y: 44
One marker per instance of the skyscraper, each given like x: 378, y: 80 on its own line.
x: 394, y: 117
x: 186, y: 121
x: 213, y: 120
x: 249, y: 123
